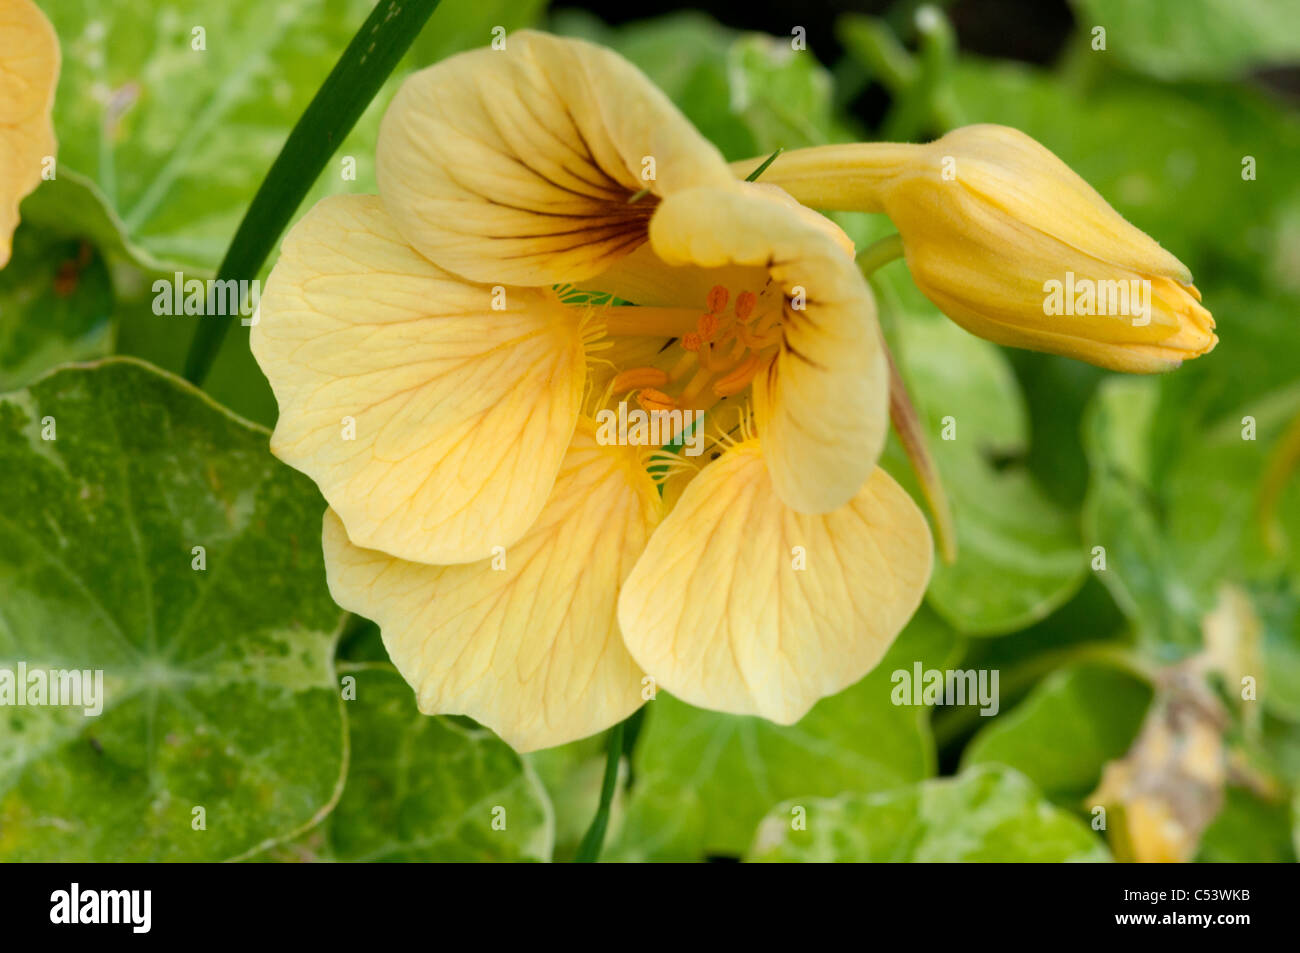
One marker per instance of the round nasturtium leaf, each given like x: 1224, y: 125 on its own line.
x: 148, y: 534
x: 1062, y: 735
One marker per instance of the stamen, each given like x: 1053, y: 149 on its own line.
x: 686, y: 363
x: 771, y: 336
x: 745, y: 302
x: 637, y: 378
x: 634, y: 321
x: 651, y: 400
x: 722, y: 350
x: 697, y: 383
x: 706, y: 356
x: 738, y: 379
x: 718, y: 297
x: 708, y: 326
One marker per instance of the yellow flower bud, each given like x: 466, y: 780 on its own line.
x: 1014, y: 246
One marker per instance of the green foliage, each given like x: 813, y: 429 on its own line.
x: 223, y: 684
x: 983, y: 815
x: 1019, y: 554
x: 162, y: 146
x: 747, y: 93
x: 177, y: 137
x: 56, y: 304
x: 1195, y: 38
x: 218, y: 681
x: 1062, y: 735
x: 421, y: 788
x: 1249, y: 831
x: 703, y: 779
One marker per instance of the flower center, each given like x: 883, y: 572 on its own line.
x: 719, y: 359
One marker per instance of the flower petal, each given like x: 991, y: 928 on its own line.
x: 516, y: 165
x: 968, y: 276
x: 1023, y: 178
x: 645, y: 278
x: 531, y: 650
x: 717, y: 615
x: 462, y: 414
x: 29, y: 71
x: 822, y: 405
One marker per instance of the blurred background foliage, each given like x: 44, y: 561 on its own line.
x: 1121, y: 674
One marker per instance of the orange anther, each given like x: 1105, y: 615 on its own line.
x: 639, y: 377
x: 651, y: 399
x: 718, y: 297
x: 745, y: 302
x: 708, y: 326
x: 738, y: 379
x: 691, y: 341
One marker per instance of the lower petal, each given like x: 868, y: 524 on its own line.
x: 528, y: 642
x: 743, y: 605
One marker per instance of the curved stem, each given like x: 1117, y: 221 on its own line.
x: 594, y: 839
x: 907, y: 424
x: 878, y: 254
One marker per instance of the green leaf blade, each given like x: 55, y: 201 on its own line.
x: 219, y: 683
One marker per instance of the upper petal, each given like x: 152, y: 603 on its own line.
x: 718, y: 613
x: 823, y: 403
x: 433, y: 424
x: 29, y: 71
x: 529, y: 647
x: 516, y: 165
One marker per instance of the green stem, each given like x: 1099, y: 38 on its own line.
x: 367, y: 62
x: 594, y: 839
x: 878, y: 254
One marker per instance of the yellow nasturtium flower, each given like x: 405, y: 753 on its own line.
x: 29, y: 71
x: 523, y: 570
x: 1014, y: 246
